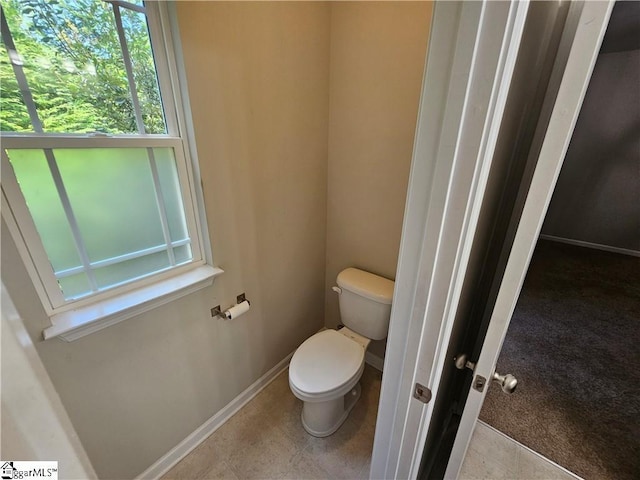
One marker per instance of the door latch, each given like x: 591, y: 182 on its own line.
x: 479, y: 382
x: 422, y: 393
x: 462, y: 362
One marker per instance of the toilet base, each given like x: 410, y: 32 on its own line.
x: 321, y: 419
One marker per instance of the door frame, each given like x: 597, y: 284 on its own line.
x: 581, y: 41
x: 471, y: 56
x: 471, y: 59
x: 37, y: 426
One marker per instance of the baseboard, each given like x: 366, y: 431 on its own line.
x: 373, y: 360
x: 596, y: 246
x: 177, y: 453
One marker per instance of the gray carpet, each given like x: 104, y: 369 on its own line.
x: 573, y: 345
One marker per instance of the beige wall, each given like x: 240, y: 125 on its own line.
x: 258, y: 82
x: 378, y: 51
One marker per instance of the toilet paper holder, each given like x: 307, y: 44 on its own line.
x: 218, y: 312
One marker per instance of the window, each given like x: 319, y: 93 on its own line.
x: 97, y: 176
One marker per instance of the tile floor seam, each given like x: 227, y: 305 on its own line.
x: 329, y: 476
x: 364, y: 468
x: 294, y: 461
x: 290, y: 437
x: 308, y: 449
x: 513, y: 465
x: 235, y: 475
x: 230, y: 467
x: 518, y: 454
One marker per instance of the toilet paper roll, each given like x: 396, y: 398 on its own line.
x: 237, y: 310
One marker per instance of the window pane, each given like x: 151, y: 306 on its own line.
x: 41, y: 196
x: 121, y: 272
x: 144, y: 70
x: 113, y: 197
x: 75, y: 286
x: 182, y: 254
x: 171, y: 191
x: 74, y: 66
x: 13, y: 112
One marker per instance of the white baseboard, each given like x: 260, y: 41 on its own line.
x: 373, y: 360
x: 597, y: 246
x: 177, y: 453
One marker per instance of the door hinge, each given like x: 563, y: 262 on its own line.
x: 422, y: 393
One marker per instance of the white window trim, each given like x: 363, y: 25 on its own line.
x: 81, y: 322
x: 74, y: 319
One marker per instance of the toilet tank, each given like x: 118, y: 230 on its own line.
x: 365, y: 302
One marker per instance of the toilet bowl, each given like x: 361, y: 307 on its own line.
x: 324, y: 373
x: 325, y: 370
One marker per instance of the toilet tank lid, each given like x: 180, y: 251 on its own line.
x: 368, y: 285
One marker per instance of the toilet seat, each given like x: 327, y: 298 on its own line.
x: 326, y: 365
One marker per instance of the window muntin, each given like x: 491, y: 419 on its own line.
x: 118, y: 207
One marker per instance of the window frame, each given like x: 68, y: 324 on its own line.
x: 123, y: 301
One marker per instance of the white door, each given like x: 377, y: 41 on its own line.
x: 35, y: 425
x: 583, y: 52
x: 471, y: 58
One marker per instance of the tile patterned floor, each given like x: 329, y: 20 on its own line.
x: 265, y: 439
x: 493, y: 455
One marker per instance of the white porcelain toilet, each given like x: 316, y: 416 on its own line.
x: 325, y: 370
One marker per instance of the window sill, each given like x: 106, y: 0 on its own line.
x: 78, y: 323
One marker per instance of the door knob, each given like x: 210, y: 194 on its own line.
x: 507, y: 382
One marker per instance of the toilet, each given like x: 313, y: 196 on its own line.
x: 325, y: 370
